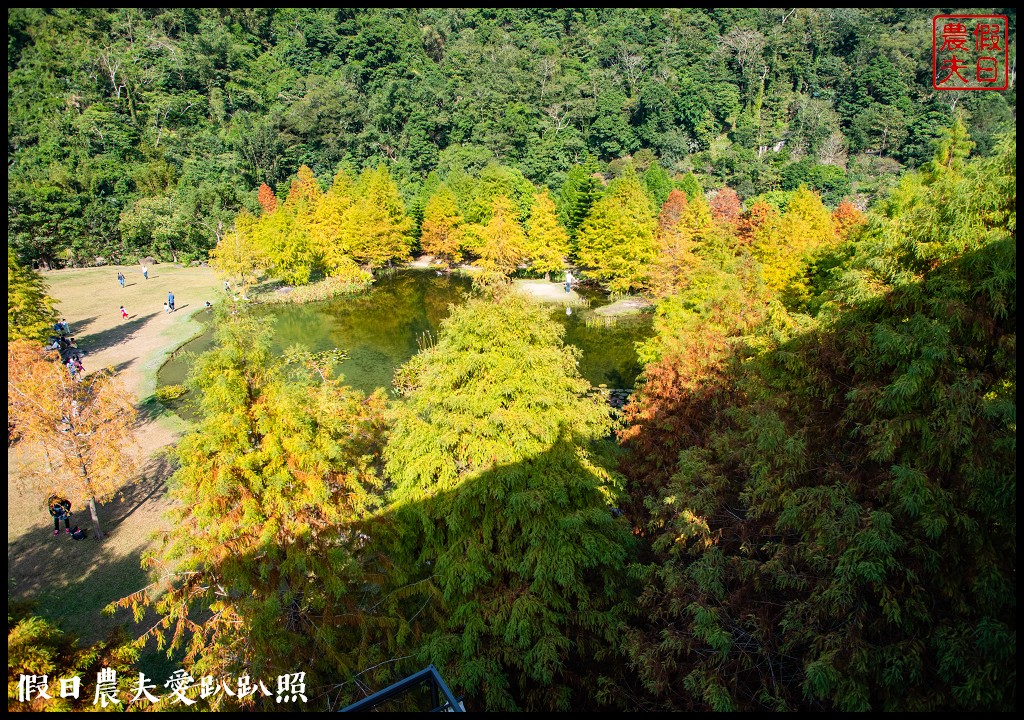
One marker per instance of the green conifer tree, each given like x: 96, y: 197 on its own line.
x: 268, y: 557
x: 30, y: 311
x: 616, y: 241
x: 839, y: 530
x: 578, y: 194
x: 657, y: 183
x: 506, y: 510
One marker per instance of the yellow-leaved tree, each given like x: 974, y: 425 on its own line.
x: 782, y: 247
x: 376, y: 225
x: 680, y: 225
x: 30, y: 311
x: 616, y: 241
x: 442, y: 227
x: 284, y: 235
x: 328, y: 226
x: 238, y: 255
x: 547, y: 242
x: 504, y: 242
x: 82, y: 426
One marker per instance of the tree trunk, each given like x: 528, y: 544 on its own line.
x: 95, y: 518
x: 92, y: 499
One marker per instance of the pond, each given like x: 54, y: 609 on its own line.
x: 384, y: 327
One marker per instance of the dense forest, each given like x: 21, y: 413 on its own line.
x: 145, y: 131
x: 809, y: 501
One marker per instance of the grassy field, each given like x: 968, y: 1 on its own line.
x: 71, y: 581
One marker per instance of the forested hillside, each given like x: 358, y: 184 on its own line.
x: 808, y: 503
x: 139, y: 132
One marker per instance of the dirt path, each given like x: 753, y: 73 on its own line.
x: 545, y: 291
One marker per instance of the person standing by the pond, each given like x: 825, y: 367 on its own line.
x: 568, y: 280
x: 170, y: 300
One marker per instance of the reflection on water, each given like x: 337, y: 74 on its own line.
x: 379, y: 331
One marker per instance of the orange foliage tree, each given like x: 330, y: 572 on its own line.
x: 760, y: 215
x: 682, y: 227
x: 726, y: 206
x: 267, y: 199
x: 442, y: 227
x: 82, y: 426
x: 847, y: 218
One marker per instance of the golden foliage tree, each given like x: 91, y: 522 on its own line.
x: 681, y: 225
x: 616, y: 241
x: 328, y: 225
x: 83, y: 427
x: 782, y: 248
x: 442, y: 226
x: 284, y: 237
x: 504, y: 242
x: 268, y: 566
x: 760, y: 215
x: 377, y: 225
x: 547, y: 242
x: 30, y: 311
x: 237, y: 254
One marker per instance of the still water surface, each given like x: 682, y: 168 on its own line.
x: 382, y: 328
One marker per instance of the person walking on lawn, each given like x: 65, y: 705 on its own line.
x: 170, y: 300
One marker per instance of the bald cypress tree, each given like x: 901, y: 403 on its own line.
x: 30, y: 311
x: 616, y: 241
x: 547, y: 243
x: 839, y: 532
x: 507, y: 508
x: 266, y: 569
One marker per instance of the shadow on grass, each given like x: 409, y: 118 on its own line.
x: 152, y: 483
x: 121, y: 366
x: 71, y: 581
x: 82, y: 325
x: 150, y: 409
x: 118, y: 334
